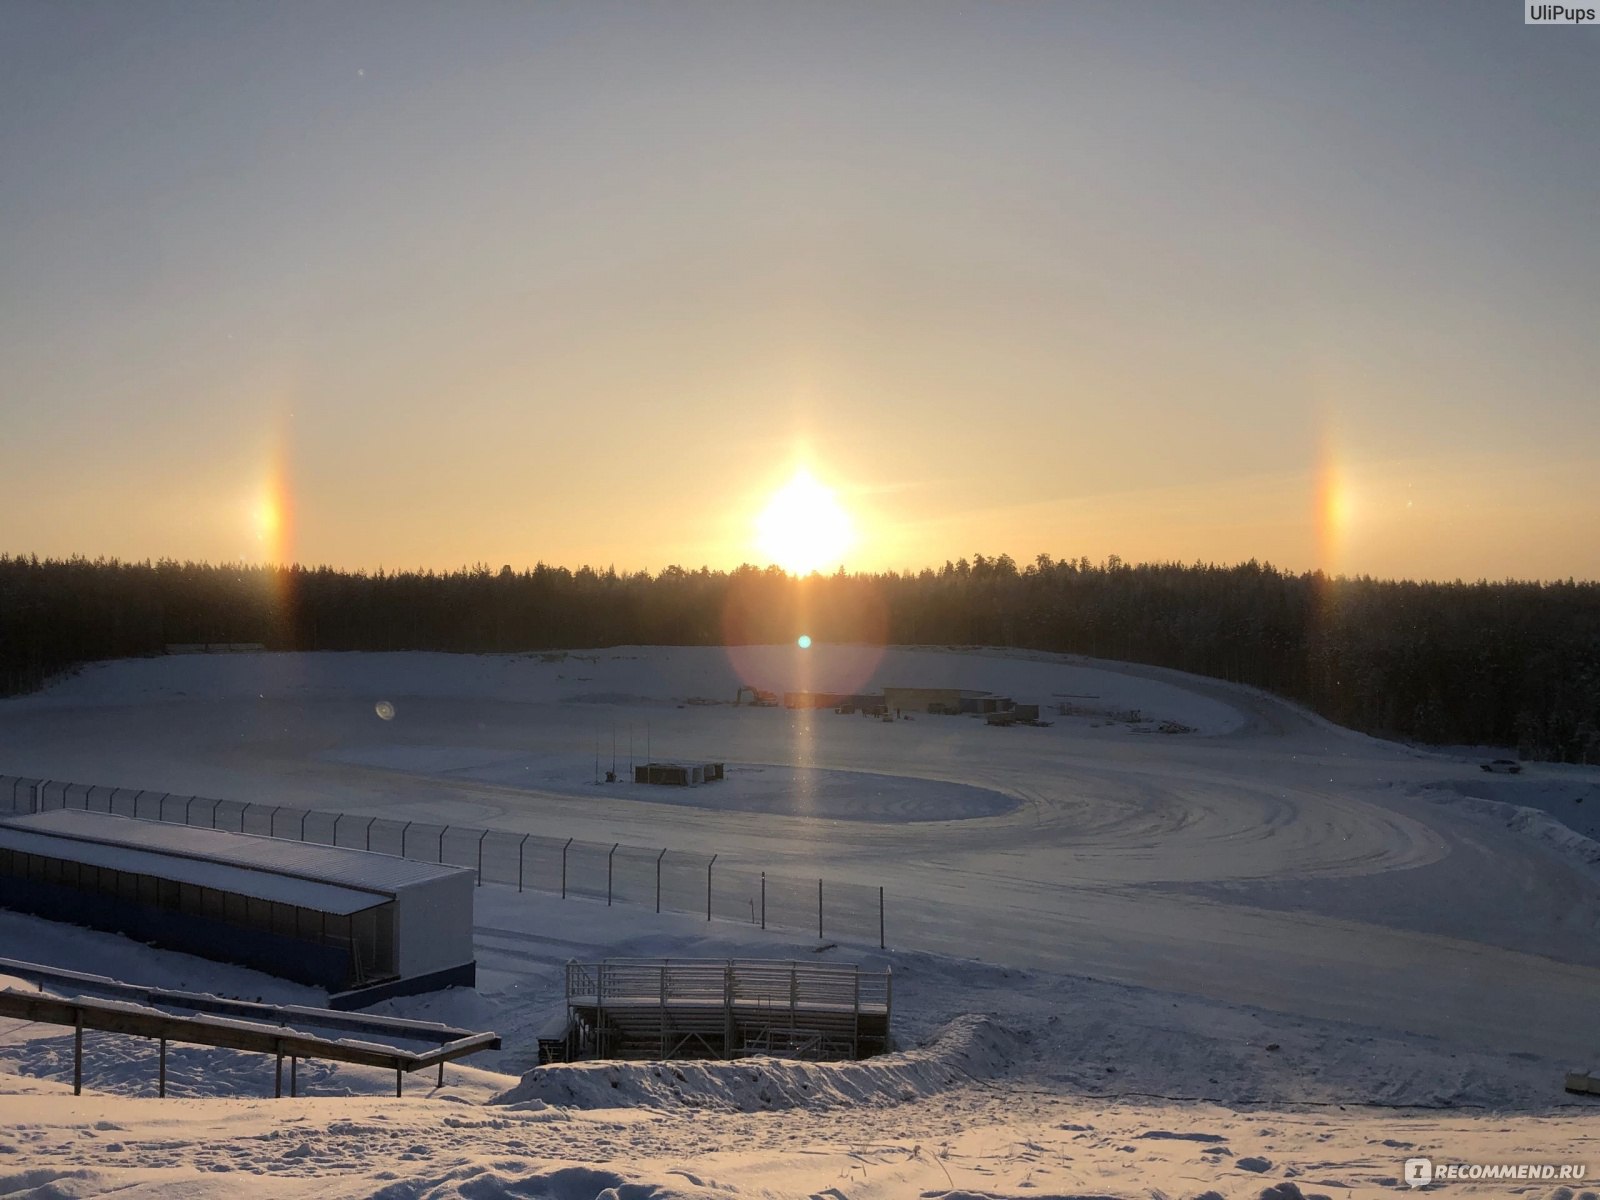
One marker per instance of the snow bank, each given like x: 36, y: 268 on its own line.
x: 968, y: 1048
x: 478, y: 1182
x: 633, y: 675
x: 1552, y: 811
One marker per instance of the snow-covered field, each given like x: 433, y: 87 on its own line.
x: 1265, y: 956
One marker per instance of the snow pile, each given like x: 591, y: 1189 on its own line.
x: 478, y: 1182
x: 969, y: 1048
x: 1552, y: 811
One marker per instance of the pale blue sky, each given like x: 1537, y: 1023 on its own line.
x: 585, y: 282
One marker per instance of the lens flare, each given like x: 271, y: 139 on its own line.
x: 804, y: 641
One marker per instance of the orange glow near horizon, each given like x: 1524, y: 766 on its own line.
x: 1334, y: 508
x: 273, y: 513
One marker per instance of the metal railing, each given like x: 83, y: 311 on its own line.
x: 725, y: 1008
x: 638, y: 876
x: 755, y: 981
x: 292, y: 1031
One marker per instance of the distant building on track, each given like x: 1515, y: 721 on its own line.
x: 678, y: 774
x: 925, y: 699
x: 364, y: 926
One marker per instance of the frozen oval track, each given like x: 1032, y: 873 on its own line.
x: 1262, y: 857
x: 780, y: 789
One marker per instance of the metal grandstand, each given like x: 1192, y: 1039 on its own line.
x: 724, y: 1008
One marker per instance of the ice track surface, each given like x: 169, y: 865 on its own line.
x: 1262, y: 857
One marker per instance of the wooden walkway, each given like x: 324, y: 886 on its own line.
x: 286, y: 1031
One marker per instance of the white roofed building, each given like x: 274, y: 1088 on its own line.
x: 365, y: 926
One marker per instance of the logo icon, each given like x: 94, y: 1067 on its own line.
x: 1419, y: 1172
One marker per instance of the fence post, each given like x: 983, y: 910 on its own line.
x: 88, y: 796
x: 609, y: 857
x: 272, y: 821
x: 337, y: 818
x: 136, y: 796
x: 44, y: 792
x: 520, y: 845
x: 442, y: 832
x: 481, y: 836
x: 881, y: 945
x: 659, y: 857
x: 304, y: 813
x: 819, y: 910
x: 403, y: 829
x: 15, y: 782
x: 763, y: 899
x: 709, y: 865
x: 564, y: 868
x: 188, y: 804
x: 370, y: 823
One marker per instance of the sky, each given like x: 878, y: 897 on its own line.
x: 421, y: 285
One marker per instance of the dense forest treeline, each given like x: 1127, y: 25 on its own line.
x: 1514, y: 664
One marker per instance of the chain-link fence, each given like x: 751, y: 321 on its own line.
x: 639, y: 876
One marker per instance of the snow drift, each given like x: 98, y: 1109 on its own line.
x: 968, y: 1048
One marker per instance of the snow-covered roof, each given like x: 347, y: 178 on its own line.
x: 303, y: 873
x: 242, y: 881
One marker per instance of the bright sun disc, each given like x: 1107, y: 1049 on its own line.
x: 803, y: 528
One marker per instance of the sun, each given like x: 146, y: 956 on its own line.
x: 804, y: 528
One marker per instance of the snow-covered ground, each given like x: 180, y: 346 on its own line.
x: 1265, y: 953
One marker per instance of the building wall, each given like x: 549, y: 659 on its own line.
x: 813, y: 699
x: 276, y: 954
x: 433, y: 925
x: 915, y: 699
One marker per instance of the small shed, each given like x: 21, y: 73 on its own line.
x: 678, y: 774
x: 367, y: 926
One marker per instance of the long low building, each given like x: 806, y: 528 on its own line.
x: 364, y: 926
x: 923, y: 699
